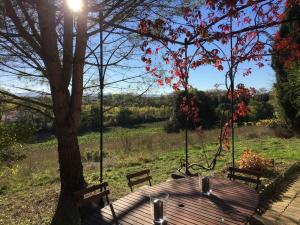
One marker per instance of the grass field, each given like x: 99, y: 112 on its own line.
x: 29, y: 188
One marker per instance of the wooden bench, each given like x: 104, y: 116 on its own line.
x: 95, y: 195
x: 138, y: 178
x: 249, y: 176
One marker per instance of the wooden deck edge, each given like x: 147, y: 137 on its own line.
x: 278, y: 186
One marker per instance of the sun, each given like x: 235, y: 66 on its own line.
x: 75, y: 5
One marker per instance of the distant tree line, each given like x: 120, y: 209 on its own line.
x: 120, y: 110
x: 123, y: 116
x: 129, y: 109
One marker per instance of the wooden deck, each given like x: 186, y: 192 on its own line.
x: 286, y: 209
x: 230, y: 203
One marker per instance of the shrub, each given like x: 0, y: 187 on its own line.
x: 253, y: 161
x: 203, y: 102
x: 272, y: 123
x: 171, y: 127
x: 283, y: 132
x: 252, y: 135
x: 11, y: 136
x: 123, y: 117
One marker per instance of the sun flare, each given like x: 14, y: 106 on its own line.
x: 75, y: 5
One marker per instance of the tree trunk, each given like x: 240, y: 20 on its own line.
x: 71, y: 172
x: 66, y: 212
x: 71, y: 175
x: 70, y: 166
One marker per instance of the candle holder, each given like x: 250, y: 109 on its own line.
x: 205, y: 186
x: 158, y: 207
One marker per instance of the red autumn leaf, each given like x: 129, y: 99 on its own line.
x: 148, y: 61
x: 251, y: 35
x: 235, y: 116
x: 226, y: 145
x: 175, y: 87
x: 225, y: 28
x: 215, y: 51
x: 149, y: 51
x: 247, y: 72
x: 160, y: 82
x: 220, y: 67
x: 241, y: 109
x: 177, y: 73
x: 153, y: 71
x: 168, y: 80
x: 260, y: 13
x: 247, y: 19
x: 143, y: 29
x: 260, y: 65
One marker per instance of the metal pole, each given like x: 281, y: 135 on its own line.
x: 101, y: 80
x: 187, y: 172
x: 232, y: 92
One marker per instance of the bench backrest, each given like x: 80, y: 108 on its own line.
x: 245, y: 175
x: 138, y: 178
x: 94, y: 194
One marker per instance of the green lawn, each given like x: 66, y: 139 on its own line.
x: 29, y: 188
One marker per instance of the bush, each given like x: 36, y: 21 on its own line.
x: 11, y: 136
x: 171, y: 127
x: 253, y: 161
x: 206, y: 110
x: 253, y: 135
x: 283, y: 131
x: 272, y: 123
x: 123, y: 117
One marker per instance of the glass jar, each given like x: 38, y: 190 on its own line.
x: 158, y: 207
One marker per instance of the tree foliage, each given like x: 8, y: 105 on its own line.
x: 206, y: 110
x: 286, y: 66
x: 260, y: 107
x: 11, y: 137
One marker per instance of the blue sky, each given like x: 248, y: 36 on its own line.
x: 204, y: 78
